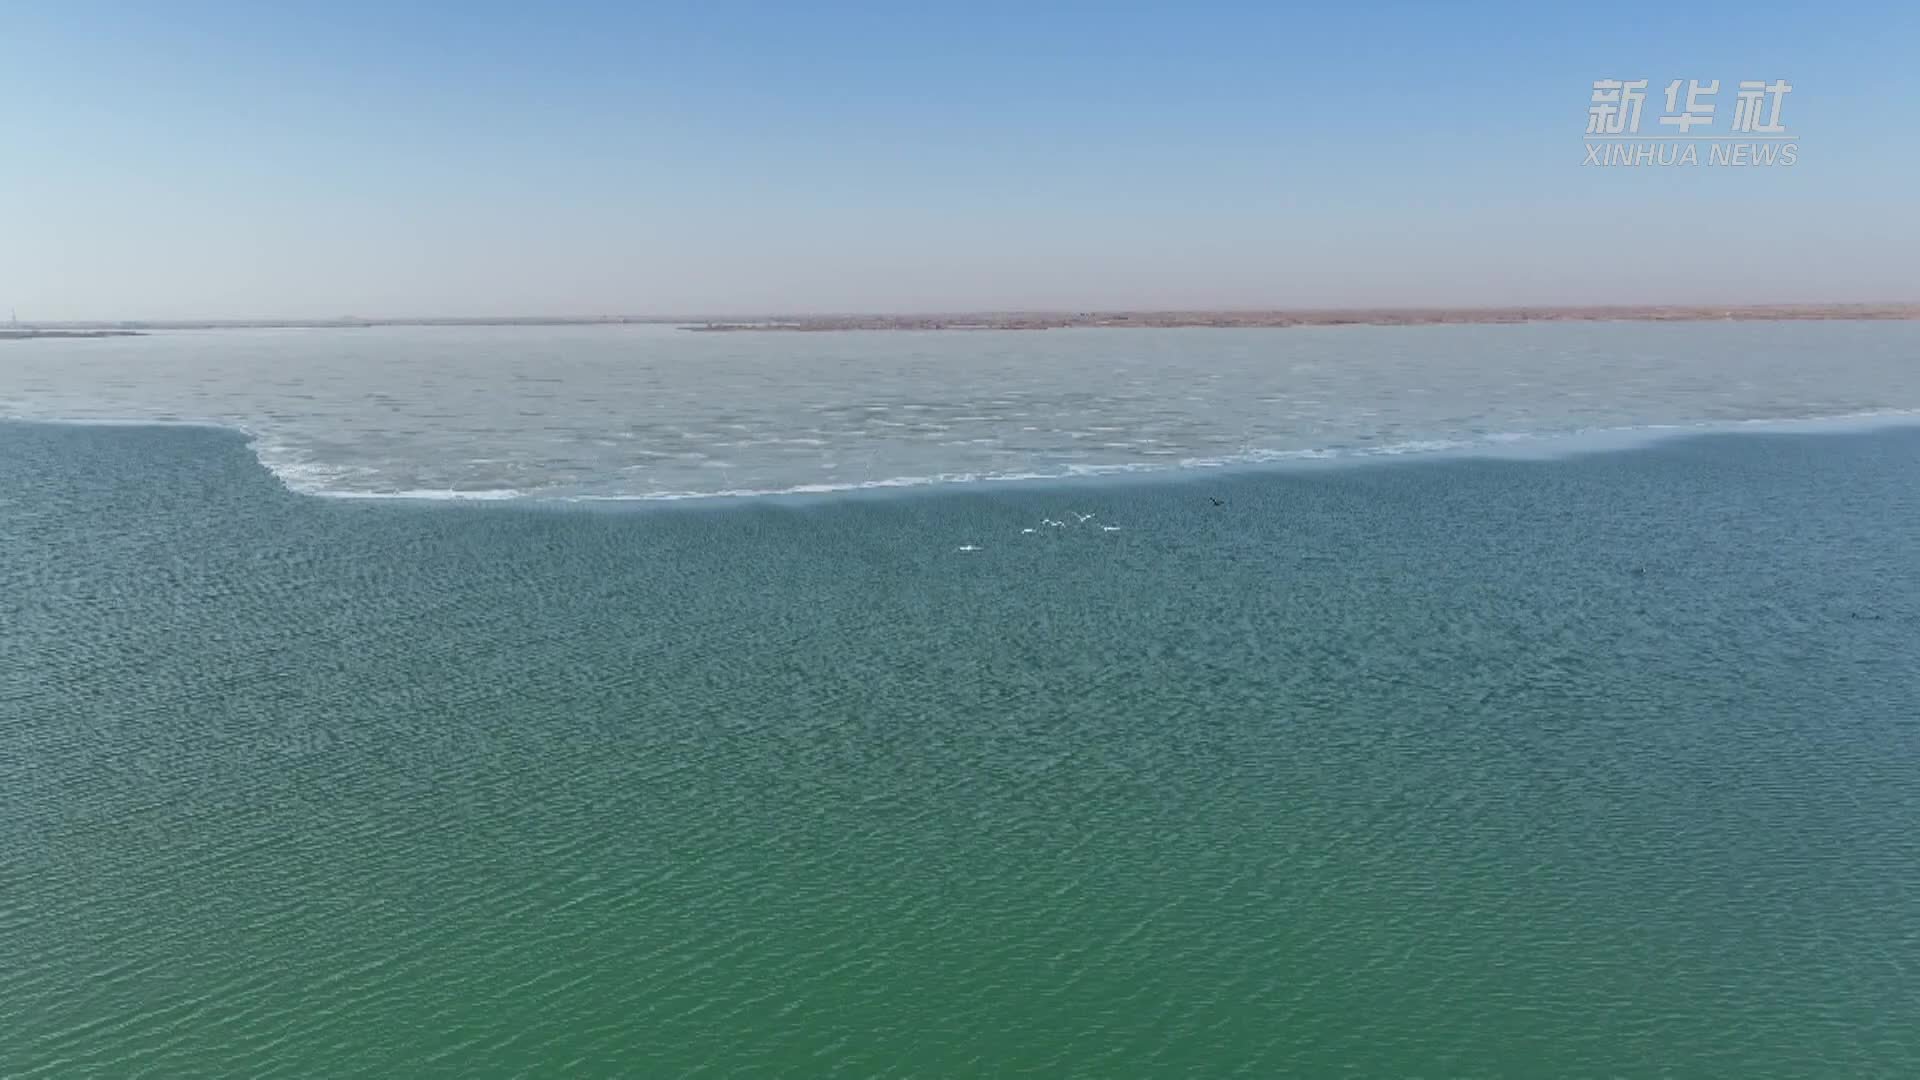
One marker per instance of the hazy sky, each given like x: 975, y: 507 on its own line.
x: 394, y: 159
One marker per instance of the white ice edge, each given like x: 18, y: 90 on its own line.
x: 322, y: 480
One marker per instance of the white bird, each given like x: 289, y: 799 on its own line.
x: 1109, y: 528
x: 969, y: 547
x: 1029, y: 530
x: 1084, y: 518
x: 1052, y: 523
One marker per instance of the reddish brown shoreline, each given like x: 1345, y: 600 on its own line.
x: 1031, y: 320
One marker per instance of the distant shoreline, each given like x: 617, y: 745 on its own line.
x: 1272, y: 318
x: 25, y: 335
x: 1281, y: 319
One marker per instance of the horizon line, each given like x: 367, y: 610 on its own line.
x: 1061, y: 317
x: 950, y: 313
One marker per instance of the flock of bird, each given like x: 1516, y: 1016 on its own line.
x: 1051, y: 523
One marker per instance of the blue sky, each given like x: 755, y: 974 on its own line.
x: 245, y: 161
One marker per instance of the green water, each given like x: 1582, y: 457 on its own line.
x: 1607, y: 766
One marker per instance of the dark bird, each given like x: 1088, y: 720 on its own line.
x: 1216, y: 502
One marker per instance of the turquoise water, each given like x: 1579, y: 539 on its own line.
x: 1606, y: 766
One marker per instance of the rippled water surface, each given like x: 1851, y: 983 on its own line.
x: 654, y: 411
x: 1605, y: 766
